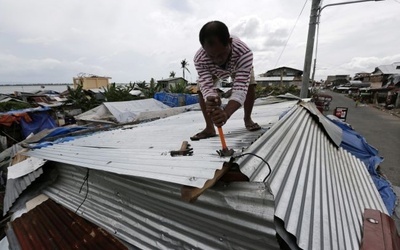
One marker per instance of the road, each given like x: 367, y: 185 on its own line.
x: 380, y: 129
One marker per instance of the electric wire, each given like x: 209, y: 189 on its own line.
x: 85, y: 179
x: 259, y: 157
x: 9, y: 136
x: 291, y: 32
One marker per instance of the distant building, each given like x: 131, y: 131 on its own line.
x: 171, y: 82
x: 336, y: 80
x: 91, y: 82
x: 362, y: 76
x: 284, y: 76
x: 381, y: 73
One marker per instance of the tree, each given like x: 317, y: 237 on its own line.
x: 152, y: 89
x: 184, y: 65
x: 115, y: 93
x: 79, y: 99
x: 172, y: 74
x: 179, y: 87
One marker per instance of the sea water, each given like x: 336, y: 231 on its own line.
x: 10, y: 89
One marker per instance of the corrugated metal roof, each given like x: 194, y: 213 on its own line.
x: 151, y: 215
x: 389, y: 69
x: 50, y: 226
x: 274, y: 78
x: 320, y: 190
x: 143, y: 150
x: 15, y: 187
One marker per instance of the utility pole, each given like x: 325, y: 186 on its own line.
x: 309, y: 48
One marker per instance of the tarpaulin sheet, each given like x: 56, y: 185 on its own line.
x: 40, y: 121
x: 358, y: 146
x: 32, y: 120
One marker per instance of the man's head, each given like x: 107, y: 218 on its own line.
x: 216, y: 41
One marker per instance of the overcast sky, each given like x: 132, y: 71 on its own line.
x: 49, y: 41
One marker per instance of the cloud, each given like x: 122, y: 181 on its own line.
x: 32, y: 70
x: 247, y: 28
x: 37, y: 40
x: 132, y: 40
x: 368, y: 64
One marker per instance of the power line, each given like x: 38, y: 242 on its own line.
x: 291, y: 32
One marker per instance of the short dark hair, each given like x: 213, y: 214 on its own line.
x: 212, y: 30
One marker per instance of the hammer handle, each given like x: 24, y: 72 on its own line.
x: 222, y: 137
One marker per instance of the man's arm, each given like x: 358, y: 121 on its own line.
x: 241, y: 79
x: 205, y: 81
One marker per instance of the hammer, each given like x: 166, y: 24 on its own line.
x: 225, y: 151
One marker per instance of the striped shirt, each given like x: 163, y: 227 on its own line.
x: 238, y: 67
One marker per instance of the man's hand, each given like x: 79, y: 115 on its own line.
x: 212, y: 103
x: 219, y: 117
x: 213, y: 108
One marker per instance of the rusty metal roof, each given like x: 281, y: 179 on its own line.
x: 51, y: 226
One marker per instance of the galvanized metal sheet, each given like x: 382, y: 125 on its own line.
x: 149, y: 214
x: 24, y: 167
x: 144, y: 150
x: 320, y: 190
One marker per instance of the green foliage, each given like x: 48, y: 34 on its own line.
x: 9, y: 106
x: 179, y: 87
x: 79, y: 99
x: 114, y: 93
x: 152, y: 89
x: 172, y: 74
x: 141, y: 84
x: 276, y: 90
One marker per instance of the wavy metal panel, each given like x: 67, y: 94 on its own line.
x: 320, y: 190
x: 143, y: 150
x: 149, y: 213
x: 15, y: 187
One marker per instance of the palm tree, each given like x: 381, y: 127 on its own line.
x: 184, y: 65
x: 172, y: 74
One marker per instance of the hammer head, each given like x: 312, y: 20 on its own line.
x: 225, y: 152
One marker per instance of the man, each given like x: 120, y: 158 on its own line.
x: 222, y: 56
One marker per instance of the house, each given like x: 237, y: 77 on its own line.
x: 381, y: 73
x: 283, y: 76
x: 362, y: 76
x: 91, y: 81
x: 389, y: 94
x: 171, y: 82
x: 336, y: 80
x: 306, y: 189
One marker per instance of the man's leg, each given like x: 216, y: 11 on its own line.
x: 248, y: 108
x: 209, y: 131
x: 248, y: 104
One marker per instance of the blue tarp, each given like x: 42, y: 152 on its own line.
x: 41, y: 120
x: 175, y: 99
x: 58, y: 132
x: 358, y: 146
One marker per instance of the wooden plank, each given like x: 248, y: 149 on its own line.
x: 190, y: 194
x: 379, y: 232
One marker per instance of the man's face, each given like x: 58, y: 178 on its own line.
x: 217, y: 52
